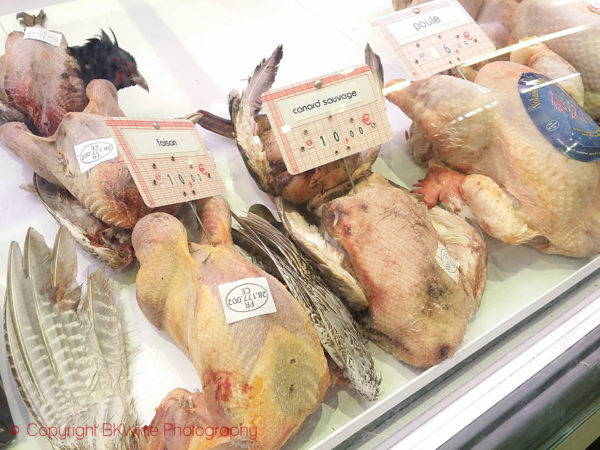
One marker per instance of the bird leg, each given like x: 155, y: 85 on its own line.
x: 28, y: 20
x: 440, y: 185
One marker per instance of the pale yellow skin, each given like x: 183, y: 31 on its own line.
x: 518, y: 187
x: 268, y: 372
x: 417, y: 311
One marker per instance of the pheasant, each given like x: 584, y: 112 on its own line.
x: 40, y: 82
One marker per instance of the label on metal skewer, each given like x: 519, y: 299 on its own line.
x: 245, y: 298
x: 328, y: 118
x: 167, y: 159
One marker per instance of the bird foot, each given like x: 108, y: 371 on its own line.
x: 28, y: 20
x: 440, y: 185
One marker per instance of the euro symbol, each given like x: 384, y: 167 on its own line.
x: 366, y: 119
x: 467, y: 35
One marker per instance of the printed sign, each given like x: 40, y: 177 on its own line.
x: 559, y: 118
x: 91, y: 153
x: 167, y: 160
x: 433, y: 37
x: 245, y: 298
x: 41, y: 34
x: 328, y: 118
x: 447, y: 262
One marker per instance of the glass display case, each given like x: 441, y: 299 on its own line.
x: 539, y: 314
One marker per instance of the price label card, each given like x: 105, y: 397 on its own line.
x: 433, y: 37
x: 328, y: 118
x: 41, y: 34
x: 167, y: 160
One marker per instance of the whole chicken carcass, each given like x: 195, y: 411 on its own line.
x: 506, y: 174
x: 581, y: 49
x: 266, y: 372
x: 405, y: 256
x: 42, y: 82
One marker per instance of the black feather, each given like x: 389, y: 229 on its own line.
x: 100, y: 57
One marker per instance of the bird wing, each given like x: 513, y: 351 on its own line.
x: 66, y: 351
x: 338, y: 332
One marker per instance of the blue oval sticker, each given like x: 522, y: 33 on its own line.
x: 559, y: 118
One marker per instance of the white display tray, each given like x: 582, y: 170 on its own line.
x: 192, y: 54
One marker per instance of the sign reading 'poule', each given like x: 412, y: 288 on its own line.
x: 432, y: 37
x: 328, y: 118
x: 167, y: 159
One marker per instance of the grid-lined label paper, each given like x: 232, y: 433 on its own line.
x: 167, y: 159
x: 433, y: 37
x: 328, y: 118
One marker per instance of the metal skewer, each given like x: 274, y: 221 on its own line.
x: 461, y: 73
x: 348, y: 172
x: 193, y: 207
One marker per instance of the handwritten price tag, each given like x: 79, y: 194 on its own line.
x: 167, y: 160
x: 433, y: 37
x: 325, y: 119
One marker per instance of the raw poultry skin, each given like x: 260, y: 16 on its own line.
x: 107, y: 189
x: 516, y: 185
x: 42, y: 81
x: 267, y: 372
x: 417, y: 311
x: 581, y: 49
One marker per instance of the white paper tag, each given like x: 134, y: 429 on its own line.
x: 41, y: 34
x: 447, y: 262
x: 92, y: 153
x: 245, y: 298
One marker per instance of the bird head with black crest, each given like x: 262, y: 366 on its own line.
x: 101, y: 57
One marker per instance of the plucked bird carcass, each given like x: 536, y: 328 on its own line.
x: 110, y: 203
x: 263, y: 238
x: 489, y: 160
x: 267, y: 372
x: 423, y: 271
x: 41, y: 82
x: 371, y: 229
x: 580, y: 45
